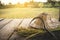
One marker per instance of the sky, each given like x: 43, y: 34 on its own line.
x: 20, y: 1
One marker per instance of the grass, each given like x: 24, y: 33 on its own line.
x: 30, y: 33
x: 27, y: 12
x: 27, y: 32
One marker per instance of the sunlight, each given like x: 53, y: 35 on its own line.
x: 23, y: 1
x: 14, y: 1
x: 20, y: 1
x: 40, y: 0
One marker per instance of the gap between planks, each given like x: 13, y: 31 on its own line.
x: 14, y: 31
x: 24, y: 24
x: 4, y: 22
x: 8, y: 29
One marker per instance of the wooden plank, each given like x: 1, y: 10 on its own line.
x: 24, y: 24
x: 8, y: 29
x: 4, y: 22
x: 16, y: 36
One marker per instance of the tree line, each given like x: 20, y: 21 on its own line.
x: 32, y: 4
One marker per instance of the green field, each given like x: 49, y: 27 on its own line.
x: 27, y: 12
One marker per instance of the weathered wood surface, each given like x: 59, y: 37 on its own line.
x: 24, y: 24
x: 4, y: 22
x: 8, y: 29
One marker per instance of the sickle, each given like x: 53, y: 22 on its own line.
x: 44, y: 27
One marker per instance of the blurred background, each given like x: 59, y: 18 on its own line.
x: 28, y: 8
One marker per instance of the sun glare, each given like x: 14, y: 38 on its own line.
x: 20, y: 1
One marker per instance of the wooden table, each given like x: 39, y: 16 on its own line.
x: 7, y: 27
